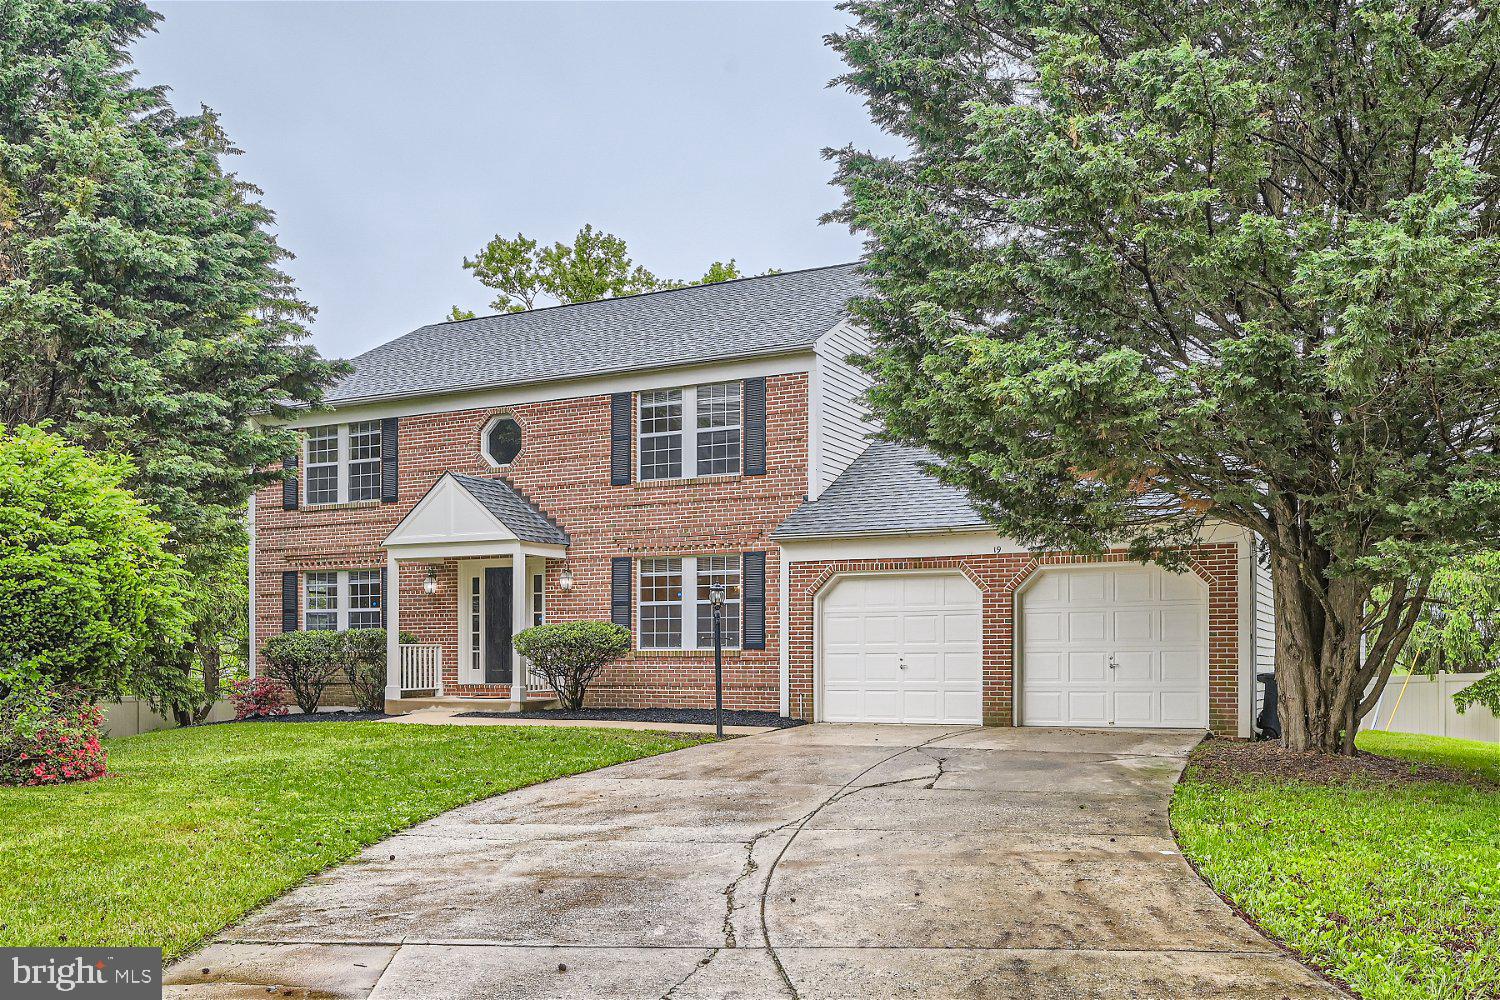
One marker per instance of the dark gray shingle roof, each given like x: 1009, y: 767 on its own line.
x: 743, y: 318
x: 883, y: 492
x: 517, y: 513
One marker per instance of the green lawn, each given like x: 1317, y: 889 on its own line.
x: 194, y: 827
x: 1392, y: 888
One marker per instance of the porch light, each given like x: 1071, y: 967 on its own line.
x: 429, y: 585
x: 565, y: 579
x: 716, y: 595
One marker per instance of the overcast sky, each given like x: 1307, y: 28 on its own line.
x: 391, y: 139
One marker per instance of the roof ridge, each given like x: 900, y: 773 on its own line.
x: 640, y: 295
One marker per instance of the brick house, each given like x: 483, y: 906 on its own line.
x: 617, y: 459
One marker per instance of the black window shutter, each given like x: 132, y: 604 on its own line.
x: 619, y: 439
x: 290, y: 488
x: 381, y: 597
x: 619, y: 591
x: 753, y: 612
x: 755, y: 426
x: 388, y: 469
x: 290, y: 620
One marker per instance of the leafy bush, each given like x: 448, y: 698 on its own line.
x: 259, y: 697
x: 571, y: 654
x: 306, y: 662
x: 87, y: 587
x: 49, y: 736
x: 364, y: 662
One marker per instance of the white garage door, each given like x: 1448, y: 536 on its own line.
x: 901, y: 649
x: 1114, y: 647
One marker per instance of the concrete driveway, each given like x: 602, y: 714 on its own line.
x: 828, y: 861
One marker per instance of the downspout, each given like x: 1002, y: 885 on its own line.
x: 250, y: 611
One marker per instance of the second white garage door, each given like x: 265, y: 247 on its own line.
x: 901, y: 648
x: 1114, y: 647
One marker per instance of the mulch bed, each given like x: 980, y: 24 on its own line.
x: 1231, y: 762
x: 350, y: 716
x: 669, y: 716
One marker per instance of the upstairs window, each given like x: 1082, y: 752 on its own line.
x: 693, y: 431
x: 340, y: 600
x: 502, y: 440
x: 343, y: 463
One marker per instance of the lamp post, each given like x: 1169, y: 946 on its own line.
x: 716, y: 599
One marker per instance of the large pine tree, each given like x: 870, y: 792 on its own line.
x: 1149, y: 264
x: 142, y: 305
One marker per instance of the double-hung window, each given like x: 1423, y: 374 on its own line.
x: 675, y: 605
x: 692, y: 431
x: 343, y: 463
x: 342, y: 599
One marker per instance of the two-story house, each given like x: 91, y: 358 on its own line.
x: 617, y: 459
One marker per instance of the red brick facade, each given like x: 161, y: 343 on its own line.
x: 563, y: 467
x: 998, y: 576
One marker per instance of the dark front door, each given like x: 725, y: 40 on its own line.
x: 497, y: 625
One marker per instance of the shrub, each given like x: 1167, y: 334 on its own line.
x: 261, y: 696
x: 306, y: 662
x: 49, y: 736
x: 571, y: 654
x: 88, y: 589
x: 364, y: 662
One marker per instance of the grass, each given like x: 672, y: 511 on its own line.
x: 195, y: 827
x: 1391, y: 887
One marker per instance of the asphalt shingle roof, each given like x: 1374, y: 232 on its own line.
x: 883, y: 492
x: 517, y: 513
x: 770, y: 314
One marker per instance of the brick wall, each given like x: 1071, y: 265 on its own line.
x: 998, y: 576
x: 563, y: 467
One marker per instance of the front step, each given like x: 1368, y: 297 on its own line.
x: 533, y: 702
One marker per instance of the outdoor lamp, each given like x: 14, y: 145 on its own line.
x: 429, y: 585
x: 565, y: 579
x: 716, y: 595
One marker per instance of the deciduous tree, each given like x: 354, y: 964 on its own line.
x: 1150, y: 265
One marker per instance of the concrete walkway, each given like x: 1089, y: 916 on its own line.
x: 819, y: 862
x: 457, y: 717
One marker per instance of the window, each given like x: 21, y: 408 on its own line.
x: 674, y: 591
x: 476, y: 625
x: 343, y: 463
x: 693, y: 431
x: 502, y: 440
x: 538, y: 599
x: 341, y: 600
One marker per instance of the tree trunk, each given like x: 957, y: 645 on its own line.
x: 1319, y: 627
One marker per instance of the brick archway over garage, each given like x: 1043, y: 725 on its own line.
x: 998, y: 576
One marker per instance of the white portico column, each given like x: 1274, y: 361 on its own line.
x: 519, y: 589
x: 392, y: 600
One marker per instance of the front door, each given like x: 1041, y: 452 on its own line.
x: 497, y: 625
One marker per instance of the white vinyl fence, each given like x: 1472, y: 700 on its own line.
x: 133, y: 716
x: 1426, y: 707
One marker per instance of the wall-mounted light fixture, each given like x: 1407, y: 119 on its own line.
x: 565, y: 579
x: 429, y: 585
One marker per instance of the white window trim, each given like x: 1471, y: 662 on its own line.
x: 342, y: 597
x: 538, y: 599
x: 484, y: 440
x: 689, y: 433
x: 341, y: 475
x: 688, y: 604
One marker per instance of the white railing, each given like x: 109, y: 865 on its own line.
x: 536, y: 682
x: 421, y: 666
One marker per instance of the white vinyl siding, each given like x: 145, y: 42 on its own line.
x: 842, y: 427
x: 1265, y: 615
x: 342, y: 463
x: 339, y: 600
x: 674, y: 606
x: 692, y: 431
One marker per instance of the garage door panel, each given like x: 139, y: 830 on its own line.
x: 1149, y: 622
x: 901, y: 648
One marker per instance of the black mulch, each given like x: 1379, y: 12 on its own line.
x: 678, y: 716
x: 350, y: 716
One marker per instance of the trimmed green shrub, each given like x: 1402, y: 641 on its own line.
x: 306, y: 662
x: 571, y: 654
x: 364, y: 662
x: 88, y: 590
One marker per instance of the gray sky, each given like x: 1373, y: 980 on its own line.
x: 391, y: 139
